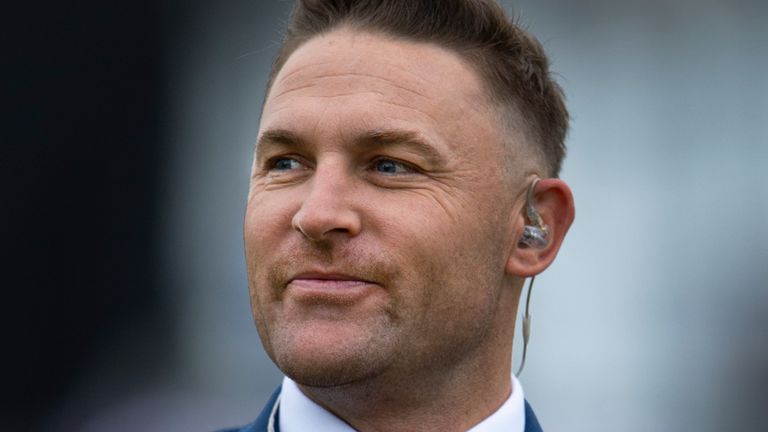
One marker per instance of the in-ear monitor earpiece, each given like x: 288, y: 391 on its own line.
x: 534, y: 235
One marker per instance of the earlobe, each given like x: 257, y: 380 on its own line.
x: 548, y: 213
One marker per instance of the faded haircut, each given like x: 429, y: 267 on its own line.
x: 512, y: 63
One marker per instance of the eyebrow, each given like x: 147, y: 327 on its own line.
x: 278, y: 136
x: 369, y: 139
x: 401, y: 138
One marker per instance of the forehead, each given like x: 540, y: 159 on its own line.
x: 413, y: 64
x: 374, y: 78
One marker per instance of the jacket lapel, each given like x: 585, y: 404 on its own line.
x: 531, y: 422
x: 261, y: 422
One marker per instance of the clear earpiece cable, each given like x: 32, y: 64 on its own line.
x: 526, y: 326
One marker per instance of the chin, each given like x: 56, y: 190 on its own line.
x: 328, y: 362
x: 325, y: 375
x: 325, y: 371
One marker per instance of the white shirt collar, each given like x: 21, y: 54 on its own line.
x: 298, y: 413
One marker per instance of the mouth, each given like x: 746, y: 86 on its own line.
x: 334, y: 288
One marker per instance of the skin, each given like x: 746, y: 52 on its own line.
x: 381, y: 233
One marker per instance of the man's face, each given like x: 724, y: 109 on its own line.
x: 379, y: 218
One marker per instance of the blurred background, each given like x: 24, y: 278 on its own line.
x: 129, y: 129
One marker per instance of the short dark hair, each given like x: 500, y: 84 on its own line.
x: 511, y: 61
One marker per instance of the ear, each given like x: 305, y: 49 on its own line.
x: 553, y: 199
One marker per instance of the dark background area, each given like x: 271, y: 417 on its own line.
x: 81, y: 156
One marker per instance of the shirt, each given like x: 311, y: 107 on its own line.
x: 298, y: 413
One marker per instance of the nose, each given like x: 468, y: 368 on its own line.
x: 328, y: 209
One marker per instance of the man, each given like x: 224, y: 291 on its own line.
x: 395, y: 211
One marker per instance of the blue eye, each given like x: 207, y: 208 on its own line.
x: 285, y: 164
x: 391, y: 167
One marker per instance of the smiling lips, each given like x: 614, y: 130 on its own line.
x: 329, y: 287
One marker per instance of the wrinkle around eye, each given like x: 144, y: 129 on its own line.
x: 269, y: 174
x: 426, y: 183
x: 439, y: 195
x: 277, y: 179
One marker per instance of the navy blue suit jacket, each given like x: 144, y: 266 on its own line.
x: 260, y: 424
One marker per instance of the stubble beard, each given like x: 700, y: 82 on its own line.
x: 340, y: 365
x: 386, y: 345
x: 289, y: 343
x: 383, y: 351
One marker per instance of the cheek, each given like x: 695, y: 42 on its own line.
x: 439, y: 248
x: 463, y: 244
x: 264, y: 225
x: 266, y: 230
x: 265, y: 218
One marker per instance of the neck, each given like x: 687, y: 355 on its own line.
x: 452, y: 397
x: 413, y: 404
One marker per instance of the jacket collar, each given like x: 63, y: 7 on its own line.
x: 262, y: 421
